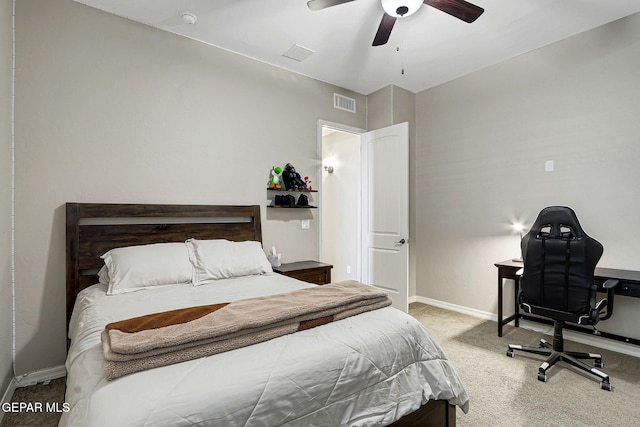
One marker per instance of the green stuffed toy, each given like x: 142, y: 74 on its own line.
x: 275, y: 181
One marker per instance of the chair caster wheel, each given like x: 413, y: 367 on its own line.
x: 597, y: 363
x: 510, y: 353
x: 542, y: 377
x: 606, y: 386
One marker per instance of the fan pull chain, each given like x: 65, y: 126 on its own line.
x: 401, y: 60
x: 401, y: 34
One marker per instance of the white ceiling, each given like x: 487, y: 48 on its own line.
x: 433, y: 47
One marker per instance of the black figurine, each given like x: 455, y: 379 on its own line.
x: 292, y: 179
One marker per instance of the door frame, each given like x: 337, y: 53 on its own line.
x: 342, y: 128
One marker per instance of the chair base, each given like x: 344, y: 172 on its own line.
x: 557, y: 354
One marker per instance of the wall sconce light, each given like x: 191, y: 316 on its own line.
x: 329, y: 169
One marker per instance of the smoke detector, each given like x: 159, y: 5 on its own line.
x: 188, y: 18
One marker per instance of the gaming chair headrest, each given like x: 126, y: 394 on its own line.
x: 557, y: 222
x: 561, y: 222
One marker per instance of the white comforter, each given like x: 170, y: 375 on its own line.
x: 367, y: 370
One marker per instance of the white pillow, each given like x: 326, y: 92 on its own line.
x: 222, y: 259
x: 103, y: 275
x: 134, y: 268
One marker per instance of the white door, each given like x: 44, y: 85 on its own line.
x: 385, y: 211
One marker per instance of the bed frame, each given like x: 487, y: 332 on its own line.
x: 95, y: 228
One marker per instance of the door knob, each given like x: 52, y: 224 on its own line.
x: 401, y: 242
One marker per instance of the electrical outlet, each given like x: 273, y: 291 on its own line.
x: 348, y: 269
x: 305, y: 224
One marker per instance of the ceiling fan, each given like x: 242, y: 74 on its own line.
x: 402, y: 8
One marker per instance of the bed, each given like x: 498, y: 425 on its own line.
x: 375, y: 368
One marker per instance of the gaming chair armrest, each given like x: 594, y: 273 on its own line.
x: 610, y: 286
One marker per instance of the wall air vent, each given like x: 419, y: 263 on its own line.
x: 342, y: 102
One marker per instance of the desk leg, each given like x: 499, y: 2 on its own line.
x: 516, y: 306
x: 500, y: 302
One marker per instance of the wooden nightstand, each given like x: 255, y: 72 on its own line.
x: 307, y: 271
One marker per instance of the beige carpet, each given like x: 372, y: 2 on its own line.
x: 505, y: 391
x: 41, y: 393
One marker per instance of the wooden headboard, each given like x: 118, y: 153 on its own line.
x: 95, y: 228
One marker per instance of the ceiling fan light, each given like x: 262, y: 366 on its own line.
x: 401, y: 8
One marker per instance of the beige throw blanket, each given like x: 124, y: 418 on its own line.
x: 175, y: 336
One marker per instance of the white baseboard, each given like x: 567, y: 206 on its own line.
x: 458, y: 308
x: 8, y: 395
x: 41, y: 376
x: 591, y: 340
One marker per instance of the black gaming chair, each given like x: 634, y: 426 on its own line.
x: 557, y: 283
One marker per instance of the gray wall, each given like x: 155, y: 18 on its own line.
x: 108, y: 110
x: 6, y: 66
x: 482, y: 145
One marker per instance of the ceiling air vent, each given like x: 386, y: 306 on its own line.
x: 298, y: 53
x: 342, y: 102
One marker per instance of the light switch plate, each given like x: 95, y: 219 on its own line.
x: 305, y: 224
x: 548, y: 166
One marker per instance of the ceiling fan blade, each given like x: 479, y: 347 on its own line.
x: 384, y: 30
x: 459, y: 8
x: 323, y: 4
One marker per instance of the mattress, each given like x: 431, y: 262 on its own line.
x: 366, y: 370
